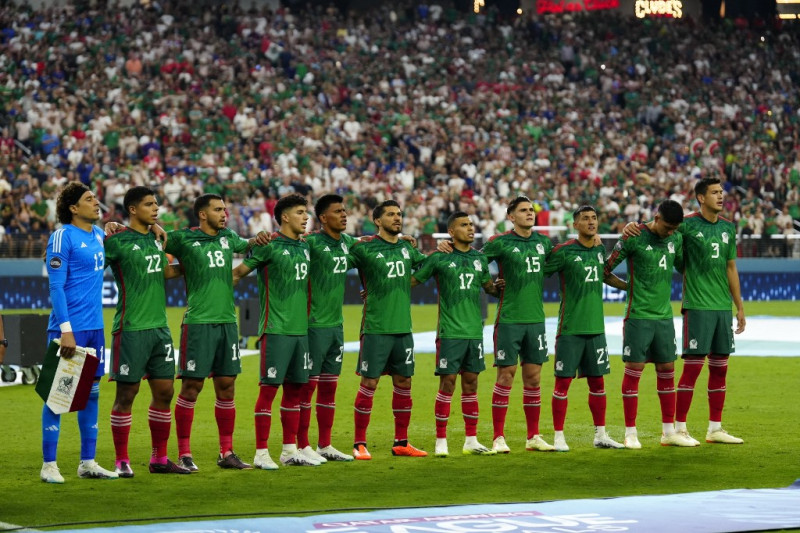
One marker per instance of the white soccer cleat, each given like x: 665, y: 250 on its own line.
x: 263, y: 461
x: 685, y: 434
x: 632, y: 442
x: 538, y: 444
x: 332, y: 454
x: 50, y: 473
x: 297, y: 459
x: 604, y: 441
x: 91, y: 470
x: 677, y: 439
x: 721, y: 436
x: 476, y: 448
x: 309, y: 453
x: 499, y: 445
x: 560, y: 444
x: 440, y: 449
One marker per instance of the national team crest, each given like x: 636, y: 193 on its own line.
x: 477, y: 265
x: 559, y: 365
x: 272, y: 372
x: 364, y: 366
x: 224, y: 242
x: 344, y: 248
x: 600, y: 257
x: 99, y: 239
x: 158, y: 245
x: 124, y: 370
x: 405, y: 254
x: 308, y: 256
x: 191, y: 365
x: 501, y: 355
x: 540, y: 249
x: 442, y: 363
x: 725, y: 237
x: 671, y: 247
x: 626, y: 351
x: 693, y: 344
x: 618, y: 246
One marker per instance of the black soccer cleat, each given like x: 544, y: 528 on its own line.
x: 232, y: 461
x: 168, y: 468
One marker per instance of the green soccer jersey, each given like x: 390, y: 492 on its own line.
x: 459, y: 277
x: 580, y: 273
x: 385, y: 270
x: 650, y: 261
x: 521, y: 263
x: 207, y: 262
x: 707, y: 248
x: 137, y: 261
x: 330, y: 261
x: 283, y: 267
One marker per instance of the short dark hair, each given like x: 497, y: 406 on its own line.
x: 325, y: 202
x: 203, y: 201
x: 455, y: 216
x: 134, y: 195
x: 515, y: 202
x: 583, y: 209
x: 381, y: 207
x: 70, y: 196
x: 287, y: 202
x: 702, y: 185
x: 671, y: 211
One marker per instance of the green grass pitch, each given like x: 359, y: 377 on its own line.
x: 760, y: 408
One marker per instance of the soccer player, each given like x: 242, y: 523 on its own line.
x: 385, y: 263
x: 581, y: 341
x: 209, y: 333
x: 459, y: 334
x: 283, y: 289
x: 142, y: 343
x: 75, y: 262
x: 648, y: 331
x: 519, y: 327
x: 330, y: 250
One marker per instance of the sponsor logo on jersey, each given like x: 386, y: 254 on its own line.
x: 224, y: 242
x: 649, y: 248
x: 272, y: 372
x: 451, y: 265
x: 326, y: 249
x: 559, y: 365
x: 405, y: 254
x: 577, y: 259
x: 196, y: 243
x: 671, y: 247
x: 442, y: 363
x: 124, y: 370
x: 135, y: 247
x: 379, y: 256
x: 501, y: 355
x: 699, y: 235
x: 83, y: 245
x: 600, y: 258
x: 191, y: 365
x: 515, y: 250
x: 285, y: 252
x: 55, y: 263
x: 477, y: 265
x: 540, y: 249
x: 725, y: 237
x: 693, y: 344
x: 364, y: 366
x: 626, y: 350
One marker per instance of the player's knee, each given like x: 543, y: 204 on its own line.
x: 447, y: 384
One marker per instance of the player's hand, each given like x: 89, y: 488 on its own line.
x: 113, y: 227
x: 363, y: 294
x: 740, y: 321
x: 631, y: 229
x: 499, y: 285
x: 68, y: 345
x: 411, y: 240
x: 262, y: 238
x: 445, y: 247
x: 597, y: 240
x: 160, y: 234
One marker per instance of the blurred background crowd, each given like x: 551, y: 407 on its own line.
x: 436, y: 108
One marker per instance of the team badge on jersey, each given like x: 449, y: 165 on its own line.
x: 725, y: 237
x: 308, y: 256
x: 100, y: 239
x: 344, y: 248
x: 224, y: 242
x: 364, y: 366
x: 626, y: 351
x: 693, y: 344
x: 405, y: 254
x: 272, y: 372
x: 671, y: 247
x: 158, y: 245
x: 559, y: 365
x: 540, y: 248
x: 618, y: 246
x: 191, y: 365
x: 600, y: 257
x: 501, y: 355
x: 124, y: 370
x: 442, y: 363
x: 477, y: 265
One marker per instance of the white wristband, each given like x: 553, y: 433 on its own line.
x: 66, y: 327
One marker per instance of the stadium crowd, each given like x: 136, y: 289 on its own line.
x: 438, y: 109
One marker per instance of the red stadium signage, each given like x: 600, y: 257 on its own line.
x: 572, y: 6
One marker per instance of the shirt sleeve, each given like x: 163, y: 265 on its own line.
x: 679, y: 259
x: 240, y: 244
x: 554, y: 263
x: 618, y: 254
x: 417, y: 257
x: 490, y: 250
x: 58, y: 255
x: 427, y: 268
x: 173, y: 243
x: 485, y: 276
x: 259, y: 256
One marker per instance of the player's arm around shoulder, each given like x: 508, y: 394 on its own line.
x: 426, y: 270
x: 257, y: 257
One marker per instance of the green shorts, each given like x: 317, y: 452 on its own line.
x: 386, y: 354
x: 209, y: 350
x: 707, y: 332
x: 582, y: 355
x: 525, y: 343
x: 459, y: 355
x: 649, y: 341
x: 284, y: 358
x: 327, y: 349
x: 136, y: 355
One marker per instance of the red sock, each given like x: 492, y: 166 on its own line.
x: 306, y: 393
x: 469, y: 407
x: 717, y: 375
x: 326, y: 407
x: 691, y: 370
x: 665, y: 384
x: 362, y: 411
x: 401, y: 408
x: 225, y: 413
x: 560, y: 402
x: 266, y: 395
x: 160, y: 422
x: 499, y: 408
x: 597, y: 399
x: 630, y: 395
x: 184, y: 416
x: 290, y: 411
x: 441, y: 411
x: 120, y: 431
x: 532, y: 406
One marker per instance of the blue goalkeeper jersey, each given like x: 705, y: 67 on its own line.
x: 75, y: 263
